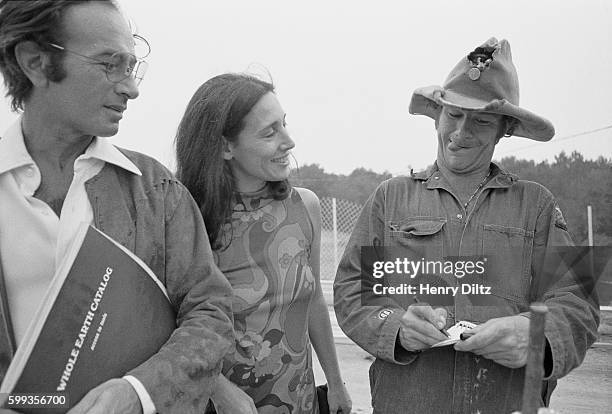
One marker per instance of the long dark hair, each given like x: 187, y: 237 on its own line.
x: 216, y: 111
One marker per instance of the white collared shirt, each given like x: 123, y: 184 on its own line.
x: 33, y: 239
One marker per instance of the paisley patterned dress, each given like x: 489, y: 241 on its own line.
x: 268, y: 265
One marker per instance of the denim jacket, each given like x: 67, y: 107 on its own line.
x: 510, y: 222
x: 155, y: 217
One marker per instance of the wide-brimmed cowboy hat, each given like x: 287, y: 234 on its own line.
x: 486, y: 81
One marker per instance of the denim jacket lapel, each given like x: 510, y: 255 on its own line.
x: 111, y: 213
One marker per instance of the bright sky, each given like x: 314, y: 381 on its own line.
x: 345, y: 71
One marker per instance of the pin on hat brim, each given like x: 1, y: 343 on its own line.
x: 428, y: 100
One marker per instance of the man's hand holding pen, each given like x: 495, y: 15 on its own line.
x: 422, y: 326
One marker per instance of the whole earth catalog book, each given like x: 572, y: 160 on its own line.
x: 104, y: 314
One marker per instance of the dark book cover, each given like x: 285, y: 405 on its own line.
x: 105, y: 314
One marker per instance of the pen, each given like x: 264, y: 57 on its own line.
x: 443, y: 331
x: 465, y: 336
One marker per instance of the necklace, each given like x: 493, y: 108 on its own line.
x: 476, y: 191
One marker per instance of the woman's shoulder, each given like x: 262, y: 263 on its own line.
x: 307, y: 196
x: 311, y: 202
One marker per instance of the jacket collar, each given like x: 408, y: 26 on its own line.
x: 433, y: 178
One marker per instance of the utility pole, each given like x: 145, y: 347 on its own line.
x: 590, y: 224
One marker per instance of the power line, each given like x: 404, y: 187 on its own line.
x: 576, y: 135
x: 579, y: 134
x: 583, y: 133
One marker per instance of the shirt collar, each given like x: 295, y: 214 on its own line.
x: 103, y: 150
x: 425, y: 174
x: 500, y: 178
x: 14, y: 154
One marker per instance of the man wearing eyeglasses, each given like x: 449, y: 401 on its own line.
x: 71, y: 68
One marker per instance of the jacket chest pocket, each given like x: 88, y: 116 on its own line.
x: 418, y: 237
x: 508, y: 251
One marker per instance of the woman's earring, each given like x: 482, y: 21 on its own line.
x: 227, y: 151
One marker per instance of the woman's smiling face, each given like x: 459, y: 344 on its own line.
x: 261, y: 150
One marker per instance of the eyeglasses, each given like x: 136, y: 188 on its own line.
x: 118, y: 66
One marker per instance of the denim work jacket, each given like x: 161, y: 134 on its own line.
x: 510, y: 222
x: 155, y: 217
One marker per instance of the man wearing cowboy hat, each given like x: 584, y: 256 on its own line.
x: 463, y: 209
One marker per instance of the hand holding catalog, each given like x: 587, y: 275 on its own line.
x: 105, y: 313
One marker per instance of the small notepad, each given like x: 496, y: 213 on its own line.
x: 454, y: 332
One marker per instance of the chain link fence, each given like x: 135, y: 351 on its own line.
x: 337, y: 220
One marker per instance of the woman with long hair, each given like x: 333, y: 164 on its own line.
x: 233, y: 154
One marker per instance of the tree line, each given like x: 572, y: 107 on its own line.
x: 575, y: 181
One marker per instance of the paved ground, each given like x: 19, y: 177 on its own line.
x: 587, y: 390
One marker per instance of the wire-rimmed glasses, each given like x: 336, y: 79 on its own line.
x: 120, y: 65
